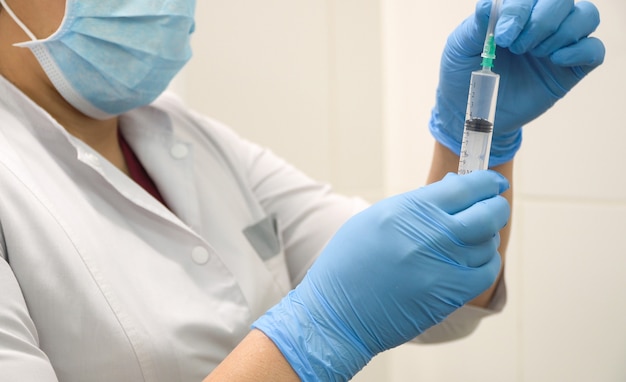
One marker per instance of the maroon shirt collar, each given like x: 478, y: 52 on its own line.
x: 137, y: 172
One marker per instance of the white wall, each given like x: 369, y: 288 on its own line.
x: 303, y: 77
x: 343, y: 89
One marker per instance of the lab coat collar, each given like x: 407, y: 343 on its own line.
x: 140, y: 136
x: 30, y: 114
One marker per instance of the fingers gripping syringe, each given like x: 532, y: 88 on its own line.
x: 481, y: 105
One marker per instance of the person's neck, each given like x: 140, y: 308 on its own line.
x: 101, y: 135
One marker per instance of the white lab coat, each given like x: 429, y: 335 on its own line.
x: 100, y: 282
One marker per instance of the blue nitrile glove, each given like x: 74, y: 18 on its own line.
x: 391, y: 272
x: 543, y: 51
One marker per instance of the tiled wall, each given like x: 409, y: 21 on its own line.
x: 343, y: 89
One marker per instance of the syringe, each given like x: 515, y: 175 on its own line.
x: 481, y: 105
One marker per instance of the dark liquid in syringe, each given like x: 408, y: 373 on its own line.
x: 479, y: 125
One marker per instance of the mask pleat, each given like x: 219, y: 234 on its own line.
x: 158, y: 36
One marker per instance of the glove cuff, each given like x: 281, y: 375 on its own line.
x: 503, y: 146
x: 440, y: 130
x: 317, y: 350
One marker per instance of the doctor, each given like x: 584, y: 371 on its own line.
x: 141, y: 241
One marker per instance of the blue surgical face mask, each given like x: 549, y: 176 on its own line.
x: 111, y: 56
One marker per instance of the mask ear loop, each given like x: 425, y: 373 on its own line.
x: 17, y: 20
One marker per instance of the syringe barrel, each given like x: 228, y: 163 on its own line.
x: 479, y: 119
x: 483, y: 94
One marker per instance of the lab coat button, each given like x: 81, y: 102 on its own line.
x: 179, y: 151
x: 200, y: 255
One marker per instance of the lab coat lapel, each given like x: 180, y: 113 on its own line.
x: 168, y: 160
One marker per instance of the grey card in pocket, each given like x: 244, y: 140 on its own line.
x: 263, y: 236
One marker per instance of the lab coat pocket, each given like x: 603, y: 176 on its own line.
x: 264, y: 237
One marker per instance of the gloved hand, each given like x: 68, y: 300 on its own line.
x: 390, y: 273
x: 544, y: 49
